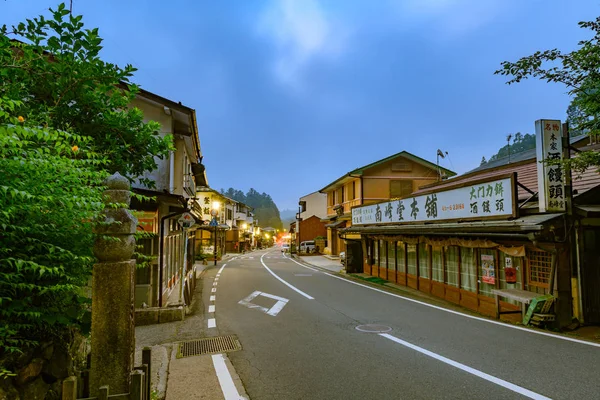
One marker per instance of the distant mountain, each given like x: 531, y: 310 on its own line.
x: 265, y: 209
x: 287, y: 214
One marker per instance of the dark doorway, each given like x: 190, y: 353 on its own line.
x: 590, y: 276
x: 354, y: 256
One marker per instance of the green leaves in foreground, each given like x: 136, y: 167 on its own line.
x: 50, y: 195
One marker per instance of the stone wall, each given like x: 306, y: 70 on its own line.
x: 40, y: 372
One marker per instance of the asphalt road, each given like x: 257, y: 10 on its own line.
x: 300, y: 341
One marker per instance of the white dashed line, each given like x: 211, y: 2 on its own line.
x: 211, y: 308
x: 213, y: 298
x: 213, y: 290
x: 212, y: 323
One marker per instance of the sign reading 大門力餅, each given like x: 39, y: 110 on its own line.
x: 476, y: 201
x: 551, y: 186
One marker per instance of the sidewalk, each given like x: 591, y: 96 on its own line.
x: 194, y: 377
x: 323, y: 262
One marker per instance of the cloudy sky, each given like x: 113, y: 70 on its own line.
x: 292, y: 94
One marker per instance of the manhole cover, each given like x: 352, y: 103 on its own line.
x: 212, y: 345
x: 373, y: 328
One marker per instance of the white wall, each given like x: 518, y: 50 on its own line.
x: 316, y: 204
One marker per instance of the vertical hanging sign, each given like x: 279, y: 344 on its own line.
x: 551, y: 186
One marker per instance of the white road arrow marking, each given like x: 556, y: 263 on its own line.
x: 273, y: 311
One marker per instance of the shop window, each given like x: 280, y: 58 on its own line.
x: 400, y: 256
x: 411, y: 250
x: 423, y: 261
x: 540, y: 267
x: 452, y: 265
x: 437, y: 266
x: 391, y: 255
x: 509, y: 274
x: 382, y: 255
x: 468, y: 271
x: 487, y: 271
x: 376, y: 252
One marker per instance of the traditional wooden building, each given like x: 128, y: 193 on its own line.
x: 481, y: 241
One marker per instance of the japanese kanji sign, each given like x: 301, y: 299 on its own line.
x: 482, y: 199
x: 551, y: 187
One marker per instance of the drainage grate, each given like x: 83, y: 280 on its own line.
x: 212, y: 345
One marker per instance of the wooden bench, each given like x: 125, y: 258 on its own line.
x: 522, y: 296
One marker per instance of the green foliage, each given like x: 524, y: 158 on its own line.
x: 65, y: 85
x: 579, y: 72
x: 50, y: 195
x: 265, y: 209
x: 520, y: 143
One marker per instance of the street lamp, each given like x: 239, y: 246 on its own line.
x: 215, y: 211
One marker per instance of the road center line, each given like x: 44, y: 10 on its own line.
x: 213, y: 298
x: 212, y: 323
x: 472, y: 371
x: 225, y: 380
x: 284, y: 282
x: 211, y: 308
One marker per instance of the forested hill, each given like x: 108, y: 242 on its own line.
x: 265, y: 209
x: 520, y: 143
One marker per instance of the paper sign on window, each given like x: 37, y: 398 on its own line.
x: 488, y: 273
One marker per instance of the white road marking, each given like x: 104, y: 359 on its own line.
x: 284, y: 282
x: 302, y: 274
x: 302, y: 265
x: 473, y: 371
x: 215, y: 283
x: 212, y: 323
x: 216, y: 279
x: 273, y: 311
x: 225, y: 380
x: 489, y: 321
x: 221, y: 269
x: 213, y: 289
x: 213, y: 298
x: 211, y: 308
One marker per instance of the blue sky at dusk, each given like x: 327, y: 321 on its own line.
x: 291, y: 94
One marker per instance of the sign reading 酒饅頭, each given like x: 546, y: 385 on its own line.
x: 476, y: 201
x: 551, y: 182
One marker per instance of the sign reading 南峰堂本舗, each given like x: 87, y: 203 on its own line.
x: 477, y: 200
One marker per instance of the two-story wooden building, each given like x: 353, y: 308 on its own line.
x: 395, y: 176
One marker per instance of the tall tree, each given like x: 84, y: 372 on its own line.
x: 265, y: 209
x: 579, y: 72
x: 53, y: 66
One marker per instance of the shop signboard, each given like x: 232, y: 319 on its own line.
x: 470, y: 200
x: 551, y: 186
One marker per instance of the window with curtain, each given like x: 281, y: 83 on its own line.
x: 382, y: 256
x: 400, y: 253
x: 468, y: 269
x: 515, y: 267
x: 487, y: 264
x: 411, y: 250
x: 452, y: 265
x: 391, y: 256
x: 437, y: 266
x: 423, y: 261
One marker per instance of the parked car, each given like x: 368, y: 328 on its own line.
x: 307, y: 246
x: 285, y: 248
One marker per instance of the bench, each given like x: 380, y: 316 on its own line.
x: 522, y: 296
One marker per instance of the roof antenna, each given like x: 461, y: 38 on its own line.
x: 440, y: 154
x: 508, y: 145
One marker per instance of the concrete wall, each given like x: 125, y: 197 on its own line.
x: 316, y: 204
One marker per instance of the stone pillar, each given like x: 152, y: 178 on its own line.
x: 113, y: 289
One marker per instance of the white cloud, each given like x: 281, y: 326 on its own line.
x: 302, y: 32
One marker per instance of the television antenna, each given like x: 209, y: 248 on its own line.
x: 440, y: 153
